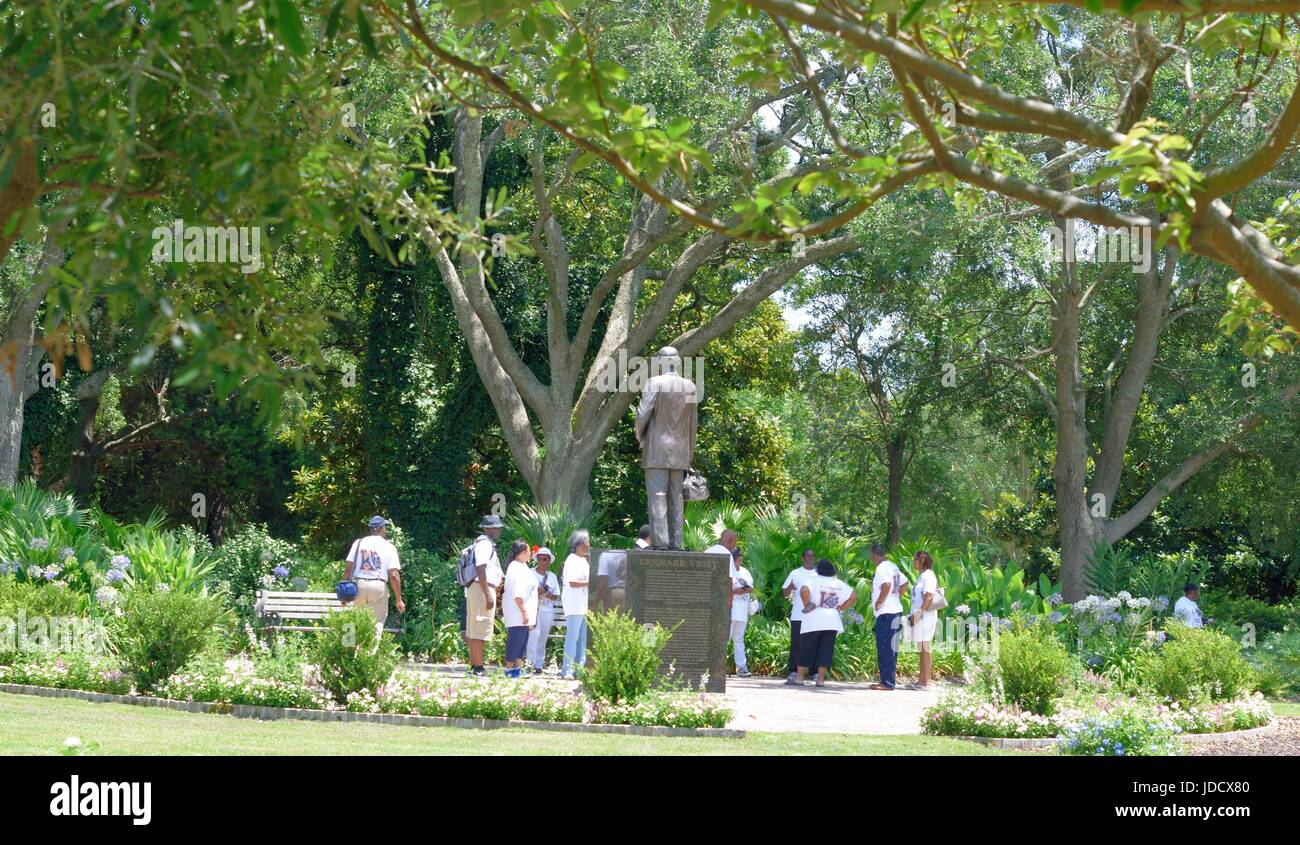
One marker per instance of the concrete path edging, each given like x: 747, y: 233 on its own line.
x: 248, y: 711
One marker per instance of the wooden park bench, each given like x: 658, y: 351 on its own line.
x: 277, y: 607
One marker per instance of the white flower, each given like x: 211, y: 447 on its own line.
x: 963, y: 610
x: 72, y: 742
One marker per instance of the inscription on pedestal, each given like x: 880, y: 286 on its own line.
x: 688, y: 590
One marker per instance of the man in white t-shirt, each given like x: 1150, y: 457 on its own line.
x: 481, y: 594
x: 727, y: 542
x: 373, y: 563
x: 1186, y: 609
x: 742, y: 590
x: 790, y: 589
x: 887, y: 588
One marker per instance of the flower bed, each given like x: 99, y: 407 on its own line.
x: 669, y: 709
x: 67, y: 671
x: 1104, y: 717
x: 236, y: 681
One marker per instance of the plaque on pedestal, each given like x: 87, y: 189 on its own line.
x: 689, y: 590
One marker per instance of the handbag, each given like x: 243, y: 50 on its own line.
x: 940, y: 601
x: 695, y: 487
x: 346, y: 590
x: 755, y: 607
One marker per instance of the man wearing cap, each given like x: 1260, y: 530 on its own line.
x: 481, y: 595
x: 373, y: 564
x: 548, y: 593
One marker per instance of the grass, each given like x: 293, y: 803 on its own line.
x: 34, y: 725
x: 1286, y: 708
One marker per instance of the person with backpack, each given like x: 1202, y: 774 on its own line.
x: 373, y: 564
x: 481, y: 575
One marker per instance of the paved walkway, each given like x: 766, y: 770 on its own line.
x: 767, y: 704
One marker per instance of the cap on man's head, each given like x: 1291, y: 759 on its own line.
x: 544, y: 551
x: 377, y: 522
x: 491, y: 521
x: 1191, y: 587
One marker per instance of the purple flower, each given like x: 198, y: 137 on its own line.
x: 115, y: 576
x: 119, y: 562
x: 281, y: 571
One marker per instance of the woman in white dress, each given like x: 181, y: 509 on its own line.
x: 923, y: 621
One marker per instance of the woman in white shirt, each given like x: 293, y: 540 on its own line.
x: 923, y: 621
x: 824, y: 598
x: 548, y: 593
x: 575, y: 579
x: 518, y: 606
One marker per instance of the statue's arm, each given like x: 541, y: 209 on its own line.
x: 645, y: 411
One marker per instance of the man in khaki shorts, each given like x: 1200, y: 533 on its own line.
x: 373, y: 563
x: 481, y: 594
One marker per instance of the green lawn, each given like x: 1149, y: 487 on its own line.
x: 33, y: 725
x: 1286, y: 708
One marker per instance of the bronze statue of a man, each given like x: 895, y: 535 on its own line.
x: 666, y: 425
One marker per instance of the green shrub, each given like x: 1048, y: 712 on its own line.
x: 163, y: 559
x: 1231, y: 612
x: 47, y: 536
x: 1277, y: 664
x: 160, y: 631
x: 351, y: 654
x: 245, y: 563
x: 432, y: 602
x: 1196, y: 664
x: 624, y: 657
x: 1033, y: 667
x: 38, y: 599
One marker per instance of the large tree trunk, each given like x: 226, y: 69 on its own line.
x: 1079, y: 532
x: 20, y: 358
x: 895, y: 447
x: 87, y: 450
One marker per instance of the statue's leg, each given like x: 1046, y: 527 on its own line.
x: 675, y: 506
x: 656, y: 493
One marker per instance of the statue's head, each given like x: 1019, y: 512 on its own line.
x: 667, y: 360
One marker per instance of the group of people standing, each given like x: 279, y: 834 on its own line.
x: 818, y: 598
x: 527, y: 590
x: 528, y: 596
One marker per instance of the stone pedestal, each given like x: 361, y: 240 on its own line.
x: 689, y: 590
